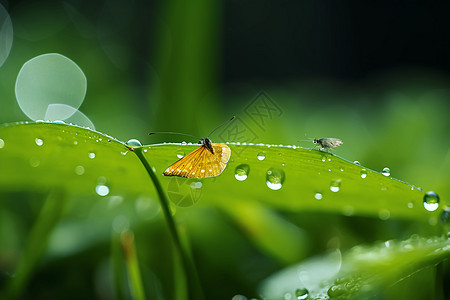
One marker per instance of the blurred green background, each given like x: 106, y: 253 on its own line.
x: 375, y: 75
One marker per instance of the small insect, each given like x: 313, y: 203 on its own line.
x: 328, y: 143
x: 208, y: 160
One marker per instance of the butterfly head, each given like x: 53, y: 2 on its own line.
x: 207, y: 144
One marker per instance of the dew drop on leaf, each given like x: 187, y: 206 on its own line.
x: 262, y: 155
x: 301, y: 293
x: 134, y: 142
x: 444, y: 218
x: 287, y: 296
x: 336, y: 290
x: 91, y: 155
x: 102, y: 190
x: 431, y: 201
x: 386, y: 171
x: 39, y: 141
x: 335, y: 185
x: 275, y: 178
x: 241, y: 172
x: 356, y: 162
x: 35, y: 162
x: 318, y: 196
x: 384, y: 214
x: 363, y: 173
x: 79, y: 170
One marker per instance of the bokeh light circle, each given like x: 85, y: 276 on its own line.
x: 69, y: 114
x: 50, y: 79
x: 6, y: 35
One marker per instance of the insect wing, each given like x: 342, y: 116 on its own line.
x: 201, y: 162
x: 330, y: 142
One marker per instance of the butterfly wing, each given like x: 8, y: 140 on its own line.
x: 201, y: 162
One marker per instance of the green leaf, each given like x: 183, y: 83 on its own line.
x: 42, y: 155
x: 258, y: 182
x: 363, y: 272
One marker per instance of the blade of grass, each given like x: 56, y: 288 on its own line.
x: 117, y: 266
x: 48, y: 218
x: 190, y: 273
x: 132, y: 263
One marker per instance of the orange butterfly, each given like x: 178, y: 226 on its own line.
x: 208, y: 160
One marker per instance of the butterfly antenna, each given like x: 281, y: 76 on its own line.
x: 178, y: 133
x: 221, y: 125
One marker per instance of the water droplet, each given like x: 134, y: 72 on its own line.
x: 2, y: 143
x: 348, y: 210
x: 410, y: 204
x: 183, y: 143
x: 275, y: 178
x: 363, y: 173
x: 102, y: 190
x: 134, y: 143
x: 386, y: 171
x: 35, y: 162
x: 301, y: 293
x: 323, y: 158
x: 336, y: 290
x: 384, y: 214
x: 431, y: 201
x: 241, y: 172
x: 444, y: 218
x: 262, y: 155
x: 196, y: 185
x: 318, y: 196
x: 287, y: 296
x: 356, y: 162
x: 39, y: 142
x: 91, y: 155
x: 79, y: 170
x: 335, y: 185
x: 180, y: 154
x: 102, y: 180
x: 123, y: 152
